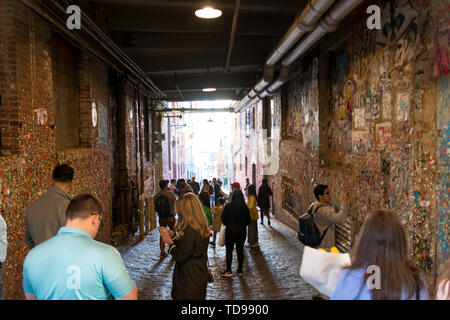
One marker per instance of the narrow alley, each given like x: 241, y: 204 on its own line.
x: 271, y: 272
x: 121, y: 116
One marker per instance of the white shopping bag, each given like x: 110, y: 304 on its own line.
x: 323, y: 269
x: 222, y: 236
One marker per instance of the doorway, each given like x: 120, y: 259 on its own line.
x: 254, y: 174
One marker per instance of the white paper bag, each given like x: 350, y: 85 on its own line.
x: 323, y: 269
x: 221, y: 242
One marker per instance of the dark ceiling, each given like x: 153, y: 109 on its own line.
x: 182, y: 54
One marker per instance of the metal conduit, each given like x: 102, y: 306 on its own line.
x: 304, y: 23
x: 329, y: 23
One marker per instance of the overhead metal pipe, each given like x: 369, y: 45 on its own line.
x: 304, y: 23
x: 282, y: 79
x: 328, y: 24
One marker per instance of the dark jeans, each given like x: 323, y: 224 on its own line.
x: 230, y: 241
x: 265, y: 212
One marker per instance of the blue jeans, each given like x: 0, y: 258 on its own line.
x: 265, y: 212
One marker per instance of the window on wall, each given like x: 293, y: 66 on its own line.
x: 267, y: 121
x: 247, y: 122
x: 246, y: 167
x: 272, y: 116
x: 284, y: 112
x: 65, y: 66
x: 146, y: 131
x: 241, y: 132
x: 253, y: 118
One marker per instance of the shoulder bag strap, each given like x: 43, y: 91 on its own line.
x: 325, y: 232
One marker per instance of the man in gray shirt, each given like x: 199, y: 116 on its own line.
x: 47, y: 214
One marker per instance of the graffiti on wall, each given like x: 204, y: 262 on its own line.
x: 403, y: 106
x: 398, y: 29
x: 383, y: 135
x: 443, y: 187
x: 303, y: 107
x: 442, y: 42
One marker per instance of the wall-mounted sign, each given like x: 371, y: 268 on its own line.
x: 94, y: 114
x: 41, y: 116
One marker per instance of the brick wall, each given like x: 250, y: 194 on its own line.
x: 28, y: 153
x: 9, y: 109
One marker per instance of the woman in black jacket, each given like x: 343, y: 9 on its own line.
x: 235, y: 217
x: 189, y: 248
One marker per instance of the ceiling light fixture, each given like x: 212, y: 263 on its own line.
x: 208, y: 13
x: 209, y: 89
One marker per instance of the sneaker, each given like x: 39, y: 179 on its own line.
x: 226, y: 274
x: 240, y: 273
x: 248, y: 245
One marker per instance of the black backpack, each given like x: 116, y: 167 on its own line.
x: 162, y: 206
x: 308, y: 233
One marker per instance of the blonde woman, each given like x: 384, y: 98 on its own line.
x: 252, y: 235
x: 189, y: 247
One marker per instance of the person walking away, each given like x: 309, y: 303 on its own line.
x: 234, y: 186
x: 189, y: 249
x: 218, y: 193
x: 195, y: 186
x: 382, y: 243
x: 164, y: 202
x: 183, y: 188
x: 217, y: 216
x: 72, y: 265
x: 236, y: 218
x: 206, y: 206
x: 173, y: 186
x: 252, y: 237
x: 264, y: 194
x: 46, y: 215
x: 207, y: 187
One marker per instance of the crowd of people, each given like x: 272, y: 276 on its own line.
x: 65, y: 262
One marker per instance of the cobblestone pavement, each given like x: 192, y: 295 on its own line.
x: 271, y: 271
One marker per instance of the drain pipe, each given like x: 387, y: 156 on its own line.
x: 303, y: 24
x: 328, y: 24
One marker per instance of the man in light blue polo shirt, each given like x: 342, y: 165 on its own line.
x: 73, y: 266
